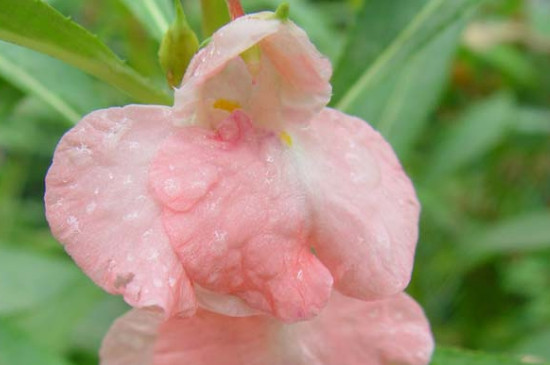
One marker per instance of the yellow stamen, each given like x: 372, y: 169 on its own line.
x: 286, y: 138
x: 227, y: 105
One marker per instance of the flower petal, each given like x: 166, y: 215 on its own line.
x: 131, y: 339
x: 364, y: 206
x: 347, y: 332
x: 237, y: 218
x: 282, y: 79
x: 353, y: 332
x: 99, y: 206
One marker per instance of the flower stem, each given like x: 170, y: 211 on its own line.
x: 235, y: 8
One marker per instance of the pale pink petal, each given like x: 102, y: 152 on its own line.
x: 347, y: 332
x: 284, y: 79
x: 213, y: 339
x: 238, y: 219
x: 99, y: 206
x: 353, y: 332
x: 365, y: 211
x: 131, y: 339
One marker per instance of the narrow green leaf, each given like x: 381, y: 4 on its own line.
x: 532, y: 121
x: 30, y: 132
x: 476, y: 132
x: 17, y: 349
x: 399, y: 104
x: 28, y: 279
x: 512, y: 62
x: 448, y: 356
x: 9, y: 97
x: 524, y: 233
x: 36, y: 25
x: 386, y: 35
x: 214, y: 16
x: 75, y: 96
x: 155, y: 15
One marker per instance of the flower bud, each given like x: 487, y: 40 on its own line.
x: 178, y: 46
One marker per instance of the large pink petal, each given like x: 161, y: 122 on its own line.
x: 347, y: 332
x: 237, y: 218
x: 99, y: 206
x: 353, y: 332
x: 364, y: 206
x: 285, y: 80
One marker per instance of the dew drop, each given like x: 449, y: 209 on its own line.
x: 171, y: 282
x: 90, y: 208
x: 131, y: 216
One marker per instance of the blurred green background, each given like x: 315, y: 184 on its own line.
x: 467, y: 110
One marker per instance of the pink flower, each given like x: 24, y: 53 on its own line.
x: 248, y: 197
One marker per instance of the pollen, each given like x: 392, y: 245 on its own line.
x: 227, y: 105
x: 286, y: 138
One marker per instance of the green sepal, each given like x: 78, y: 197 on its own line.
x: 178, y: 46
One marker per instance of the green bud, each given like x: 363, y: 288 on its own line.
x: 282, y: 12
x: 178, y: 46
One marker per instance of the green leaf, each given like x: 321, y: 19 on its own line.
x: 78, y: 94
x: 532, y: 121
x: 386, y: 35
x: 155, y: 15
x: 536, y: 343
x: 27, y: 279
x: 476, y: 132
x: 511, y: 62
x: 17, y: 348
x: 9, y: 97
x: 32, y: 128
x: 523, y: 233
x: 448, y: 356
x: 538, y: 12
x: 214, y: 16
x: 52, y: 323
x: 399, y: 105
x: 90, y: 330
x: 36, y: 25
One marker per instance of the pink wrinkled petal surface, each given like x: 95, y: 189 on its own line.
x: 98, y: 205
x: 237, y: 218
x: 347, y: 332
x: 363, y: 206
